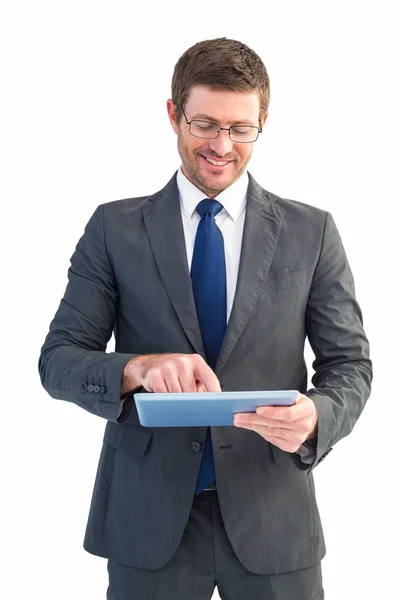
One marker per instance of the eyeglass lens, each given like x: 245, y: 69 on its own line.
x: 204, y: 129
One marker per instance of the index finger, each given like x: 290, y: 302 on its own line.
x: 207, y: 376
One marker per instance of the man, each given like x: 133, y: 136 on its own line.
x: 211, y: 284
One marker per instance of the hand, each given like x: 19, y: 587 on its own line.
x: 171, y: 373
x: 284, y: 426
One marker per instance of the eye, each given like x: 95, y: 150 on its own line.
x: 204, y: 125
x: 241, y: 130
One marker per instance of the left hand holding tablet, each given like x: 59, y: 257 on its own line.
x: 284, y: 426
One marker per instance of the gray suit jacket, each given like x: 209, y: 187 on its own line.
x: 129, y: 273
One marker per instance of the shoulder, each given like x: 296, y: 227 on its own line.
x: 303, y: 216
x: 291, y: 208
x: 126, y: 213
x: 131, y: 208
x: 298, y: 219
x: 124, y: 207
x: 295, y: 214
x: 297, y: 208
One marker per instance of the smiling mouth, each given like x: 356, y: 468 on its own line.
x: 216, y: 164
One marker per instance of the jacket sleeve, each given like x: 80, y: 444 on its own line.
x: 73, y: 364
x: 334, y: 326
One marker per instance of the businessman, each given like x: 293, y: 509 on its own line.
x: 211, y: 284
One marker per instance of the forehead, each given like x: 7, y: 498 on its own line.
x: 223, y: 106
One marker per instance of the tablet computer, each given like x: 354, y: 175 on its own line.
x: 204, y: 408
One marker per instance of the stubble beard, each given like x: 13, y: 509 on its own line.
x: 194, y: 171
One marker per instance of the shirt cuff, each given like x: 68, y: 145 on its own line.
x: 307, y: 453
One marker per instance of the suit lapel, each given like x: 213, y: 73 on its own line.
x: 261, y: 232
x: 163, y: 223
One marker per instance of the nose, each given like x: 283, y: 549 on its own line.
x: 222, y: 144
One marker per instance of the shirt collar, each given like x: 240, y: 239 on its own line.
x: 233, y: 198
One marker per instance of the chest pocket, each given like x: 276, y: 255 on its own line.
x: 283, y: 279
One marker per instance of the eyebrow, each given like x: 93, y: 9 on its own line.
x: 208, y: 118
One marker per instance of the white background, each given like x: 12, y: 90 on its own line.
x: 84, y: 121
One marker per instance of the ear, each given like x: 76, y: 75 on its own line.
x: 171, y: 109
x: 264, y: 119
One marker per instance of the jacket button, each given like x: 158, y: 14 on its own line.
x: 84, y: 387
x: 195, y: 446
x: 102, y: 389
x: 90, y: 388
x: 96, y: 389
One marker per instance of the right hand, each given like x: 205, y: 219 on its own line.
x: 174, y: 373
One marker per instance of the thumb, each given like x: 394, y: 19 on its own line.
x: 200, y: 387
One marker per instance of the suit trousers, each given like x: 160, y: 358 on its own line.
x: 205, y: 560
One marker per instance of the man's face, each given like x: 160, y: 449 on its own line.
x: 225, y: 108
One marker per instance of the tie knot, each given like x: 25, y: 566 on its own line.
x: 209, y: 205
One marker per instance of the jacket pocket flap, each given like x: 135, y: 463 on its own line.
x: 283, y: 279
x: 131, y: 439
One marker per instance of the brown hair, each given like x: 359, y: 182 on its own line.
x: 220, y: 64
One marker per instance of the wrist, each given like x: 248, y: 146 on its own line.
x: 314, y: 431
x: 131, y: 379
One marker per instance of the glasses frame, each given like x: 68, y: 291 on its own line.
x: 220, y: 129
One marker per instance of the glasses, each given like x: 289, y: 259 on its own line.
x: 243, y: 134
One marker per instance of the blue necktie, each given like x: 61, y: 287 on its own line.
x: 208, y: 274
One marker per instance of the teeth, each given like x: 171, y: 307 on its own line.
x: 214, y: 162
